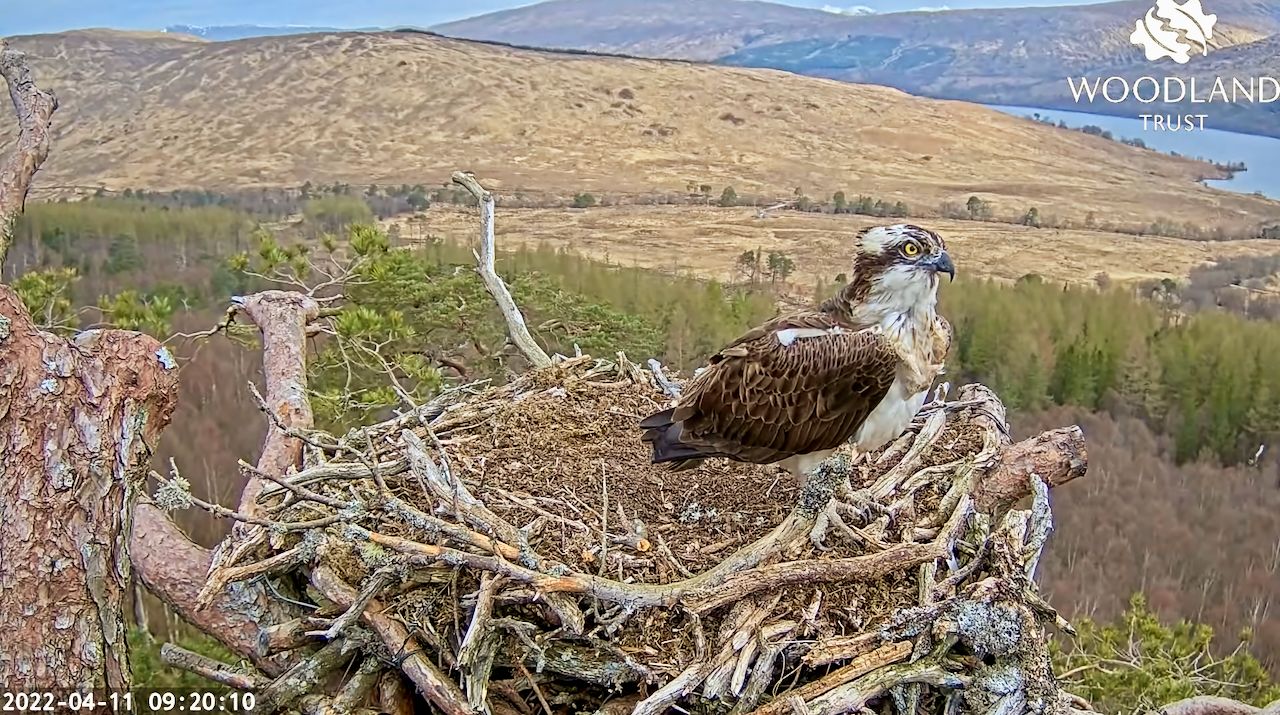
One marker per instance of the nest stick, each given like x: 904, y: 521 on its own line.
x: 301, y: 491
x: 537, y: 691
x: 450, y: 490
x: 222, y: 511
x: 459, y: 534
x: 285, y: 636
x: 283, y: 561
x: 302, y: 677
x: 377, y: 582
x: 394, y: 697
x: 480, y: 617
x: 853, y: 696
x: 209, y: 668
x: 746, y: 617
x: 838, y: 648
x: 434, y: 685
x: 885, y: 655
x: 701, y: 594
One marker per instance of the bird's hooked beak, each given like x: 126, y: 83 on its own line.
x: 941, y: 263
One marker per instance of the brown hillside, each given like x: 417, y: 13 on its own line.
x: 407, y: 107
x: 707, y: 241
x: 1018, y: 55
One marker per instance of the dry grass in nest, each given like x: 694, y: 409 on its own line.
x: 572, y: 449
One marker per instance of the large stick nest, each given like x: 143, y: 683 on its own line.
x: 512, y: 550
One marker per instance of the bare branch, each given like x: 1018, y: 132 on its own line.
x: 302, y: 677
x: 884, y: 655
x: 1208, y: 705
x: 1057, y: 456
x: 209, y: 668
x: 34, y: 108
x: 516, y: 327
x: 433, y: 684
x: 282, y: 317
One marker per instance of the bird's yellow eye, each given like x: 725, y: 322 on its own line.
x: 911, y: 249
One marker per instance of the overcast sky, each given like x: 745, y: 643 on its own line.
x: 18, y: 17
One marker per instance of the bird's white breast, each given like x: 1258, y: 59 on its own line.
x: 889, y: 418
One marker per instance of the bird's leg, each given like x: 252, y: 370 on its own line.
x: 843, y: 503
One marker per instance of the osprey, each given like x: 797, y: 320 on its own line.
x: 857, y: 367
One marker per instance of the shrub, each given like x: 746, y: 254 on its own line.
x: 1137, y: 663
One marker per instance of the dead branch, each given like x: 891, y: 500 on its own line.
x: 302, y: 677
x: 209, y: 668
x: 1058, y: 456
x: 431, y: 683
x: 1210, y: 705
x: 516, y: 327
x: 884, y: 655
x: 286, y: 636
x: 359, y: 688
x: 282, y: 318
x: 34, y: 108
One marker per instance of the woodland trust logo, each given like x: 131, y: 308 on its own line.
x: 1187, y: 24
x: 1175, y: 32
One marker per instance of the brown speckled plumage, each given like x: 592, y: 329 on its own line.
x: 807, y: 381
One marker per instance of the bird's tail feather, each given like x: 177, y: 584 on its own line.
x: 664, y: 436
x: 658, y: 419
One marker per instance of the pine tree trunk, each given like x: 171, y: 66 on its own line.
x: 78, y: 424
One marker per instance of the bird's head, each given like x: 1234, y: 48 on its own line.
x: 900, y: 264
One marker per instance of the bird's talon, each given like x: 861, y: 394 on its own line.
x: 818, y: 533
x: 829, y: 517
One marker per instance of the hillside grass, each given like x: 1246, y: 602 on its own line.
x: 406, y: 108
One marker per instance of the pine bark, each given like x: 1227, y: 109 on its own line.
x: 79, y: 421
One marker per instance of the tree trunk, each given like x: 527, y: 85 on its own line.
x: 78, y: 424
x: 185, y: 575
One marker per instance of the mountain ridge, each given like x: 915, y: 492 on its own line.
x: 161, y: 113
x: 991, y: 56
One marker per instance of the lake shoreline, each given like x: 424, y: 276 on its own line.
x: 1220, y: 149
x: 1128, y: 115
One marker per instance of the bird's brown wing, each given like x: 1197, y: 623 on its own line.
x: 765, y: 397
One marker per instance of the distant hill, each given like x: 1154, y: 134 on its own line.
x: 218, y: 33
x: 166, y: 111
x: 682, y: 29
x: 224, y: 33
x: 994, y: 55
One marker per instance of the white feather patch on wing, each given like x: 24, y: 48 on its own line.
x: 790, y: 335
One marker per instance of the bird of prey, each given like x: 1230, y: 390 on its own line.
x: 856, y: 367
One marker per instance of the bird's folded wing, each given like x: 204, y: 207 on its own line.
x: 798, y: 384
